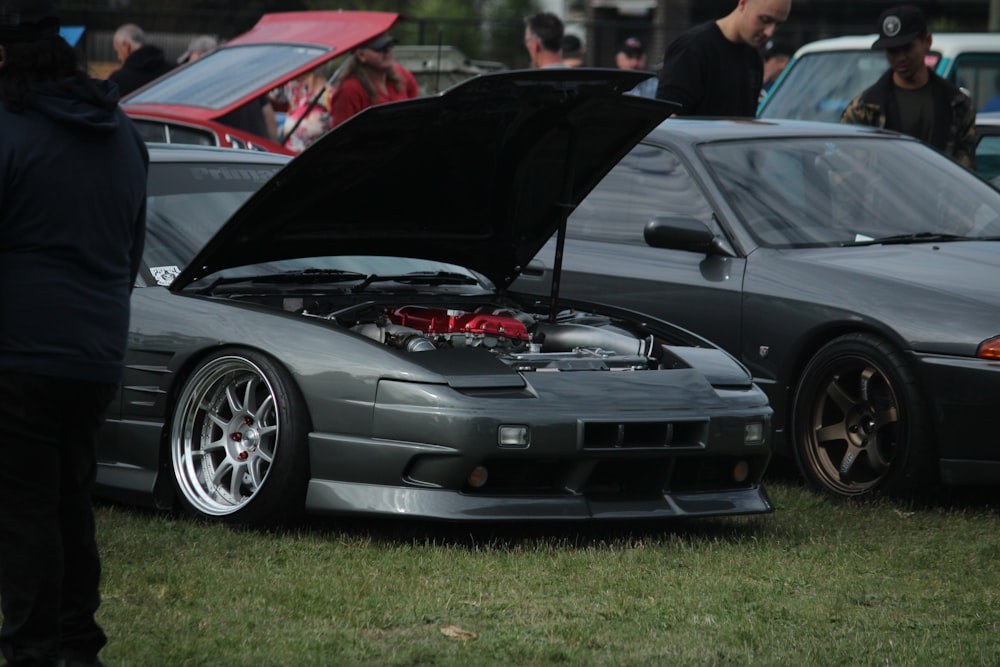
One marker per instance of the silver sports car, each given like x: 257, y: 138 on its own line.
x: 346, y: 342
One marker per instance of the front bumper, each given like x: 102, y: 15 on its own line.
x: 596, y: 445
x: 964, y: 397
x: 325, y: 496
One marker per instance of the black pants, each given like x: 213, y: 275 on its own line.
x: 50, y: 569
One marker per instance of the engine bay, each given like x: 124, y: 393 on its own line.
x: 527, y: 341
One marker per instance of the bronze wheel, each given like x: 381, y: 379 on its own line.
x: 859, y: 426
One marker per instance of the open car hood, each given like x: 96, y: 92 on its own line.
x: 277, y: 49
x: 480, y: 175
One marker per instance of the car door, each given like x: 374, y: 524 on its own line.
x: 607, y: 260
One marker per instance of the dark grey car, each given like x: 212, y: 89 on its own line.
x: 854, y: 271
x: 346, y: 342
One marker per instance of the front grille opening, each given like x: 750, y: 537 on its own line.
x: 638, y: 480
x: 615, y: 435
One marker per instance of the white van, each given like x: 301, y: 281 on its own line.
x: 824, y: 76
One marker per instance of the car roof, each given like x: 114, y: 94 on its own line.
x: 332, y: 29
x: 703, y: 130
x: 988, y: 118
x: 948, y: 44
x: 163, y: 153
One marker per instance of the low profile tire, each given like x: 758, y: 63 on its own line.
x: 859, y: 424
x: 238, y: 441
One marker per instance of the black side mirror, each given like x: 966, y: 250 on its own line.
x: 681, y: 233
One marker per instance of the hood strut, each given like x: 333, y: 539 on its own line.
x: 565, y: 208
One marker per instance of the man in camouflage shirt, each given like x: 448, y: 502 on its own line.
x: 910, y: 97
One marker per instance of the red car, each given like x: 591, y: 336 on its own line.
x: 191, y: 104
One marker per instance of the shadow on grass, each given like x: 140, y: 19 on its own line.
x: 493, y: 535
x: 511, y: 536
x: 784, y: 472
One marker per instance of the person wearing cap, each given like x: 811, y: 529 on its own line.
x: 543, y: 38
x: 632, y: 56
x: 370, y: 76
x: 572, y: 50
x: 141, y: 62
x: 776, y: 55
x: 73, y: 174
x: 910, y: 97
x: 715, y: 68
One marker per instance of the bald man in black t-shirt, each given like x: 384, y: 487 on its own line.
x: 715, y: 68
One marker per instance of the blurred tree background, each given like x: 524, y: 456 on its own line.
x: 492, y: 29
x: 482, y: 29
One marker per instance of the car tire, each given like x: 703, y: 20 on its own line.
x: 238, y: 445
x: 859, y: 424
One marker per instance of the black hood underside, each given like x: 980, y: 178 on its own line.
x: 480, y: 175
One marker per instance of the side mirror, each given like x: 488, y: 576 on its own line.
x: 680, y: 233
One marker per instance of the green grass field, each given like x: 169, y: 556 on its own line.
x: 816, y: 583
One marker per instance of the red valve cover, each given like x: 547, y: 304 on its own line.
x: 436, y: 321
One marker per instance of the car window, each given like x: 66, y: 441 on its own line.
x: 151, y: 131
x: 988, y: 157
x: 650, y: 181
x: 223, y: 77
x: 187, y: 204
x: 179, y: 134
x: 818, y: 86
x: 979, y: 75
x: 816, y: 192
x: 155, y: 131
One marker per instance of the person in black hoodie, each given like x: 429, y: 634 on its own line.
x: 141, y: 62
x: 72, y: 224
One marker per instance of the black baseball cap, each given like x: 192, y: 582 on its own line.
x: 899, y: 26
x: 777, y: 48
x: 632, y: 46
x: 571, y: 43
x: 383, y: 41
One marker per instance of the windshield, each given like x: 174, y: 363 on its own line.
x: 186, y: 205
x: 226, y: 76
x: 818, y: 86
x: 801, y: 192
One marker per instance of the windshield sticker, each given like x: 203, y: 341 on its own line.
x: 164, y: 275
